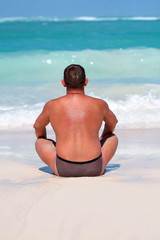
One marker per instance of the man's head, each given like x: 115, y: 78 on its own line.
x: 74, y: 76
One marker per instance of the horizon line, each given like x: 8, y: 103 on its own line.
x: 81, y: 18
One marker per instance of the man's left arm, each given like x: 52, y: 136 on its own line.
x: 110, y: 121
x: 41, y: 123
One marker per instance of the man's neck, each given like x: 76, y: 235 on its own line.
x: 75, y: 91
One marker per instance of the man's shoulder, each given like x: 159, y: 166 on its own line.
x: 94, y: 100
x: 54, y: 101
x: 98, y: 100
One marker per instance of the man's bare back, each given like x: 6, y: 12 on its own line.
x: 76, y: 120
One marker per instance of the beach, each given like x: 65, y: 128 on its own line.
x: 121, y: 204
x: 121, y: 57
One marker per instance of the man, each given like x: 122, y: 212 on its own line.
x: 76, y: 119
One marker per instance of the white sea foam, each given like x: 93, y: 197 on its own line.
x: 19, y: 116
x: 132, y: 112
x: 137, y: 110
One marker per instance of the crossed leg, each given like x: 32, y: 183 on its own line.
x: 109, y: 145
x: 47, y: 152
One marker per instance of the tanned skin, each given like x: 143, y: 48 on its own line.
x: 76, y: 120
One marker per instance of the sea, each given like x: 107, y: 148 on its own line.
x: 121, y: 56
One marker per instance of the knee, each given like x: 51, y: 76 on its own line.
x: 115, y: 139
x: 38, y: 142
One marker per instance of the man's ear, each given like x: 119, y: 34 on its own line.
x: 86, y: 82
x: 63, y: 83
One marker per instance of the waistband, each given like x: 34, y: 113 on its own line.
x: 92, y: 160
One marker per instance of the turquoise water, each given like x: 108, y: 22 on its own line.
x: 77, y: 35
x: 121, y: 57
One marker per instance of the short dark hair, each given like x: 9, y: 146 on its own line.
x: 74, y: 76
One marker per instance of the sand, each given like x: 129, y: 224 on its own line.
x: 123, y: 204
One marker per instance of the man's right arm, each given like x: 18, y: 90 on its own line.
x: 41, y: 123
x: 109, y: 119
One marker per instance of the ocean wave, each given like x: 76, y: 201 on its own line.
x: 82, y: 18
x: 117, y: 18
x: 141, y: 18
x: 135, y: 111
x: 47, y: 66
x: 13, y: 19
x: 19, y: 116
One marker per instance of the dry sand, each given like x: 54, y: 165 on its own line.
x: 123, y: 204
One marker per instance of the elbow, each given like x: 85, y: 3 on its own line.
x: 35, y: 125
x: 115, y: 120
x: 115, y: 123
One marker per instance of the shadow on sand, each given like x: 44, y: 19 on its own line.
x: 109, y: 168
x: 46, y: 169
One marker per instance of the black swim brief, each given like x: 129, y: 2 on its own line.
x: 68, y: 168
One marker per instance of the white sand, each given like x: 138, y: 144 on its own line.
x: 123, y: 204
